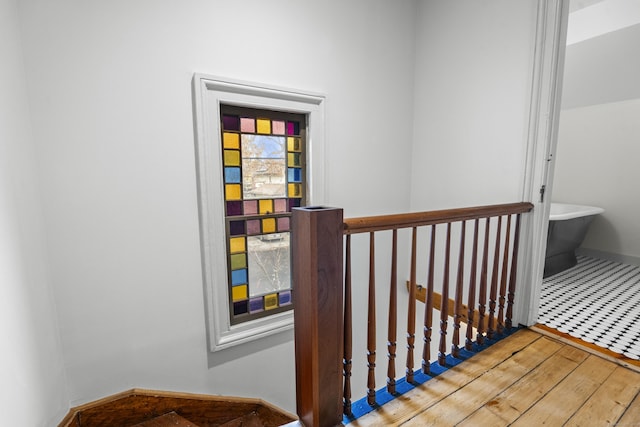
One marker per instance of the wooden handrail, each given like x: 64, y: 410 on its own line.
x: 416, y: 219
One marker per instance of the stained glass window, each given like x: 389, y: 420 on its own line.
x: 263, y: 155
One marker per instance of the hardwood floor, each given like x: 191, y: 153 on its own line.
x: 527, y: 379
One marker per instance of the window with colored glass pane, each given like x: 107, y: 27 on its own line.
x: 263, y: 154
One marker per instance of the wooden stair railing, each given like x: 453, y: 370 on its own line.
x: 323, y: 306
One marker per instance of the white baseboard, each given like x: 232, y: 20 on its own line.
x: 610, y: 256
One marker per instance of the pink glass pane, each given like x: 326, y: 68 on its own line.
x: 251, y: 207
x: 277, y: 127
x: 283, y: 224
x: 280, y: 205
x: 247, y: 125
x: 253, y: 226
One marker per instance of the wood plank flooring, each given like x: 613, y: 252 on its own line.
x: 527, y: 379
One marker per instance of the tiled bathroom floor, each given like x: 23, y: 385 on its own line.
x: 596, y: 301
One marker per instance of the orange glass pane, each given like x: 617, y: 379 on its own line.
x: 239, y: 292
x: 295, y: 190
x: 270, y: 301
x: 268, y: 225
x: 266, y: 206
x: 231, y: 158
x: 233, y: 192
x: 230, y: 140
x: 264, y: 126
x: 293, y: 144
x: 237, y: 244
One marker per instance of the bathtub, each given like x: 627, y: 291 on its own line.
x: 568, y: 225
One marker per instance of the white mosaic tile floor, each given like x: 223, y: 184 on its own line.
x: 597, y: 301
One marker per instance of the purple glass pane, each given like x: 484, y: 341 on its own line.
x: 280, y: 205
x: 240, y: 307
x: 294, y: 203
x: 251, y: 207
x: 230, y: 122
x: 285, y: 298
x: 236, y: 228
x: 293, y: 128
x: 234, y: 208
x: 283, y: 224
x: 253, y: 226
x: 256, y: 305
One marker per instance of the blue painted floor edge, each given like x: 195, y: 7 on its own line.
x: 361, y: 407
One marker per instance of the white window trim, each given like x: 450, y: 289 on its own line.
x: 208, y: 93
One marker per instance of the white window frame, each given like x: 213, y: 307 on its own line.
x: 208, y: 93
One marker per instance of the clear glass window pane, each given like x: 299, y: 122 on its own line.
x: 269, y: 258
x: 264, y: 166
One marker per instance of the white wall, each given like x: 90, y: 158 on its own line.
x: 32, y: 382
x: 110, y: 95
x: 472, y: 91
x: 597, y: 165
x: 602, y: 69
x: 598, y: 139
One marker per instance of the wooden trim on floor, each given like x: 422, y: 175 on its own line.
x: 421, y: 295
x: 588, y: 347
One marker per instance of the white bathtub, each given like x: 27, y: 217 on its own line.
x: 568, y: 225
x: 562, y: 211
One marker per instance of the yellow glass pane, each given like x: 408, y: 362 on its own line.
x: 269, y: 225
x: 237, y: 244
x: 233, y: 192
x: 239, y: 292
x: 293, y: 144
x: 295, y: 190
x: 231, y: 158
x: 238, y: 261
x: 270, y: 301
x: 293, y: 159
x: 266, y: 206
x: 263, y: 125
x: 230, y: 140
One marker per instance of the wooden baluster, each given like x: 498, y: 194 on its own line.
x: 317, y: 242
x: 472, y: 288
x: 411, y: 311
x: 457, y: 307
x: 348, y: 331
x: 444, y: 306
x: 371, y: 325
x: 393, y: 316
x: 428, y: 307
x: 503, y: 277
x: 494, y: 283
x: 514, y: 272
x: 482, y: 295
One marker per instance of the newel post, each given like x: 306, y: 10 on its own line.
x: 316, y: 246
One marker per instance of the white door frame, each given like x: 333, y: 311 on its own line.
x: 546, y: 91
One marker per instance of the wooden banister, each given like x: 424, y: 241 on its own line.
x: 324, y: 348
